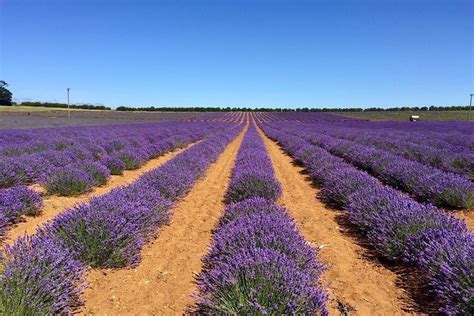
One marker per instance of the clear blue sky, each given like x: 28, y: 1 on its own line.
x: 239, y: 53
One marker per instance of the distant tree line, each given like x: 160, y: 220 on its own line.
x: 5, y: 94
x: 305, y: 109
x: 423, y: 108
x: 64, y: 105
x: 194, y: 109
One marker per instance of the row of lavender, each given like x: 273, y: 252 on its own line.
x: 400, y: 229
x: 78, y: 158
x: 418, y: 146
x: 73, y: 173
x: 456, y: 139
x: 258, y: 262
x: 450, y: 158
x: 437, y: 134
x: 43, y: 274
x: 425, y: 183
x: 16, y: 202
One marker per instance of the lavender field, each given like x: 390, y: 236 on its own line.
x: 32, y: 117
x: 236, y: 214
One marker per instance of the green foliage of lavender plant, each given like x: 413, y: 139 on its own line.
x: 99, y: 173
x: 68, y: 182
x: 258, y: 263
x: 259, y: 282
x: 400, y: 228
x: 253, y: 185
x: 115, y: 165
x: 39, y: 277
x: 131, y: 162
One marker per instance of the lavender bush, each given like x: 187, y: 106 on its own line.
x: 69, y: 181
x: 131, y: 159
x: 339, y: 184
x: 115, y: 165
x: 266, y: 231
x: 398, y: 227
x: 260, y: 282
x: 253, y: 173
x: 425, y: 183
x: 8, y: 174
x: 15, y: 202
x: 110, y: 230
x: 20, y: 200
x: 43, y: 274
x: 446, y: 257
x: 37, y: 155
x: 39, y: 277
x: 248, y: 207
x: 98, y: 172
x: 258, y: 262
x: 253, y: 184
x: 426, y: 148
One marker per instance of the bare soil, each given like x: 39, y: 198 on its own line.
x: 163, y: 282
x: 54, y: 205
x: 356, y: 284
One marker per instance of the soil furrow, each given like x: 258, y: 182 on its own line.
x: 164, y: 280
x: 54, y: 205
x: 356, y: 284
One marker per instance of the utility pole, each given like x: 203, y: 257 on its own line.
x: 470, y: 105
x: 68, y: 109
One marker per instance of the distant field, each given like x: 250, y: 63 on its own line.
x: 405, y: 115
x: 17, y: 108
x: 33, y: 117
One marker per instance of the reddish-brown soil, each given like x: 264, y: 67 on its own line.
x: 54, y: 205
x: 164, y: 280
x: 355, y: 283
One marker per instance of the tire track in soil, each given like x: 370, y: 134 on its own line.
x: 54, y: 205
x: 164, y: 280
x: 352, y: 280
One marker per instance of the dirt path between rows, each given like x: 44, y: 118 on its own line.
x: 54, y: 205
x: 164, y: 280
x: 353, y: 280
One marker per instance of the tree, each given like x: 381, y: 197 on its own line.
x: 5, y: 94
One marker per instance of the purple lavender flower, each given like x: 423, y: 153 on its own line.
x: 33, y: 155
x: 274, y: 230
x: 69, y: 181
x: 115, y: 165
x: 425, y: 183
x: 339, y: 184
x: 97, y: 171
x: 252, y: 175
x: 19, y: 200
x: 397, y: 226
x: 131, y: 159
x: 253, y: 184
x: 259, y: 281
x: 249, y: 207
x: 111, y: 230
x: 39, y: 277
x: 446, y: 257
x: 9, y: 173
x: 258, y: 262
